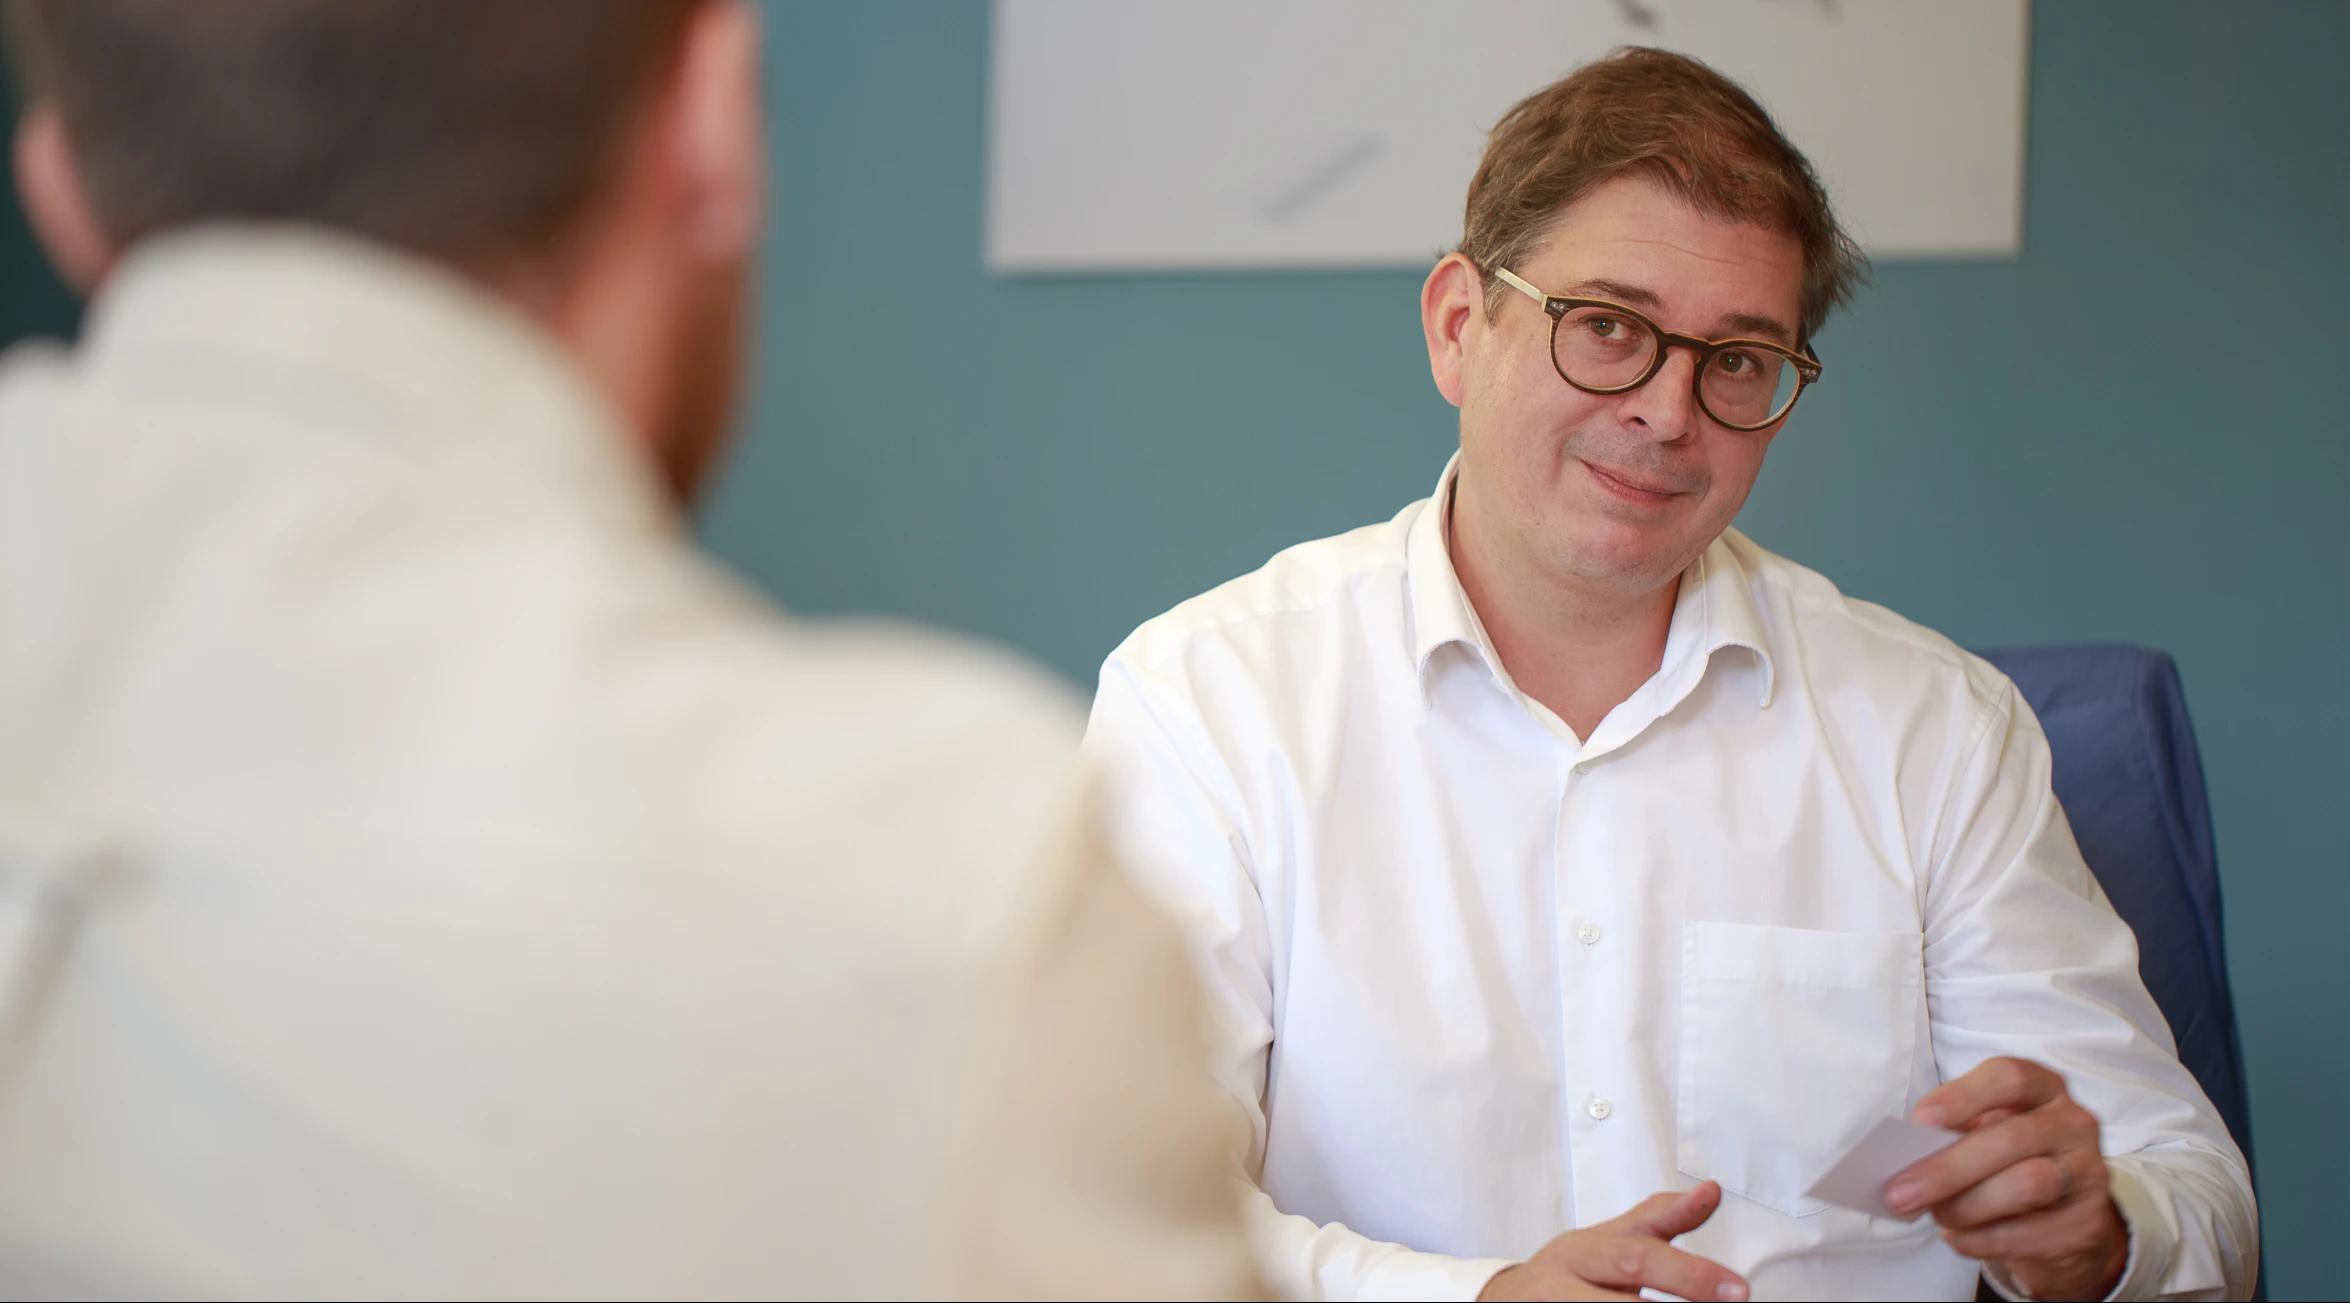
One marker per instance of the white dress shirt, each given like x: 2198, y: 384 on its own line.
x: 420, y: 874
x: 1480, y: 981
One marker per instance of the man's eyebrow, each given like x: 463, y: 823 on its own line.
x: 1761, y: 327
x: 1628, y: 295
x: 1738, y: 324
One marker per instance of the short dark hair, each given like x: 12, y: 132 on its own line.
x: 454, y: 127
x: 1675, y: 121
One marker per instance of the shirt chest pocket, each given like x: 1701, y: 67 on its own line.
x: 1793, y: 1043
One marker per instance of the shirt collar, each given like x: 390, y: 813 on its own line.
x: 1440, y: 614
x: 1714, y: 609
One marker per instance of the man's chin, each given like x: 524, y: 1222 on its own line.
x: 1629, y: 560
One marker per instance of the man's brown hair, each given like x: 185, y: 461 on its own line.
x: 1678, y: 123
x: 454, y: 127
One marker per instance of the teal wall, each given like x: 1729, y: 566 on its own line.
x: 2138, y: 431
x: 2135, y: 432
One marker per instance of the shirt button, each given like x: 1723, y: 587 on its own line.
x: 1583, y: 768
x: 1588, y: 934
x: 1600, y: 1108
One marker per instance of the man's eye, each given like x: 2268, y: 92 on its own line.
x: 1605, y: 327
x: 1736, y: 364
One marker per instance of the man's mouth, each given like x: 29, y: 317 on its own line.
x: 1630, y: 487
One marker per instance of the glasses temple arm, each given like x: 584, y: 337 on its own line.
x: 1521, y: 286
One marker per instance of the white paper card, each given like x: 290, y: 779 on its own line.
x: 1857, y: 1180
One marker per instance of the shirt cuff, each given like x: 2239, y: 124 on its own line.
x: 2154, y: 1238
x: 1408, y: 1275
x: 2142, y: 1219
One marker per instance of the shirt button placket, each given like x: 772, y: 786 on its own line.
x: 1584, y: 1036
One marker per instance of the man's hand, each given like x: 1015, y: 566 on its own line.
x: 2026, y: 1187
x: 1616, y: 1259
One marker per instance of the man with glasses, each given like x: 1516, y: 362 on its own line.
x: 1574, y: 877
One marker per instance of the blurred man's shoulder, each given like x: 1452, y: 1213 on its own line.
x: 924, y: 782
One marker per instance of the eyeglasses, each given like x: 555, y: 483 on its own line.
x: 1606, y: 348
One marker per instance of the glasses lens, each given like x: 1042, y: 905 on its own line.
x: 1748, y: 387
x: 1601, y: 348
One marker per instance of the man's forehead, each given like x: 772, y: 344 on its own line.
x: 1633, y: 243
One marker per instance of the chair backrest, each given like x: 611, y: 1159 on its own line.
x: 2131, y: 784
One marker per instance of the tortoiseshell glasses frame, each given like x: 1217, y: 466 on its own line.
x: 1731, y: 364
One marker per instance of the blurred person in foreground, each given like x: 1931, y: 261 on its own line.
x: 1577, y: 879
x: 423, y: 874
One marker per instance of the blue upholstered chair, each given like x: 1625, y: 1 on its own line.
x: 2131, y: 784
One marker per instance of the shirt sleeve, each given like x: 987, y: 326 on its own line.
x: 1096, y: 1160
x: 1177, y: 822
x: 2026, y: 958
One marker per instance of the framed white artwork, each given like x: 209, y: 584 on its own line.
x: 1135, y: 135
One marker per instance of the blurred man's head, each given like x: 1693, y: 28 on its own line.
x: 598, y: 162
x: 1650, y: 181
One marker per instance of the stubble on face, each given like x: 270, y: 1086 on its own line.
x: 705, y: 367
x: 1630, y: 487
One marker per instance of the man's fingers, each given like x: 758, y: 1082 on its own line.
x: 1634, y: 1261
x: 1975, y: 1157
x: 1663, y: 1216
x: 2050, y: 1232
x: 1636, y: 1253
x: 2021, y: 1188
x: 1991, y: 1115
x: 1544, y: 1279
x: 2015, y: 1084
x: 2057, y: 1127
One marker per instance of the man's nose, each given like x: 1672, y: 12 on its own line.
x: 1666, y: 407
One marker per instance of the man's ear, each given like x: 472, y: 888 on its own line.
x: 50, y: 186
x: 1452, y: 304
x: 716, y: 132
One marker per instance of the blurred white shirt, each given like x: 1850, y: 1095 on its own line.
x: 1481, y: 981
x: 421, y: 874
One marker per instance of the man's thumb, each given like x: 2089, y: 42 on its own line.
x: 1667, y: 1215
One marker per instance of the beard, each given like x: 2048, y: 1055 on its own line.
x: 704, y: 373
